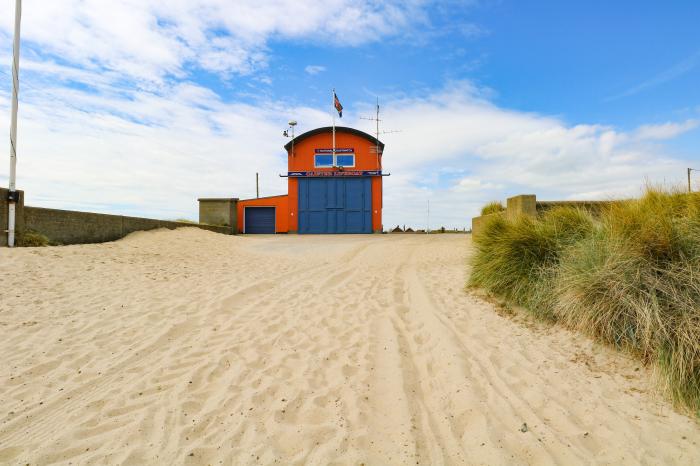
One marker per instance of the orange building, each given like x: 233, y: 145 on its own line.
x: 327, y: 193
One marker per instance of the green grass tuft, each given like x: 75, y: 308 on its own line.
x: 492, y: 207
x: 34, y: 239
x: 629, y: 277
x: 517, y: 259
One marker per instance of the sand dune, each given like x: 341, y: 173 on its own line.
x: 188, y: 347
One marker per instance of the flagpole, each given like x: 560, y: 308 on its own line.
x: 333, y: 112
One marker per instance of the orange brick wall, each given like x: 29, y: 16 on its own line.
x: 281, y: 212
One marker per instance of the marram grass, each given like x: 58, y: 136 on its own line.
x: 33, y: 239
x: 629, y: 277
x: 518, y: 259
x: 492, y: 207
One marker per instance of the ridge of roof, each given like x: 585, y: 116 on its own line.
x: 338, y: 129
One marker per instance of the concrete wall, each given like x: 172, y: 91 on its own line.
x: 524, y: 204
x: 219, y: 211
x: 72, y: 227
x: 478, y: 223
x: 592, y: 206
x: 527, y: 204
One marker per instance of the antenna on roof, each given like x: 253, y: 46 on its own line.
x: 376, y: 119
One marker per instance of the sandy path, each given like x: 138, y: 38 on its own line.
x: 189, y: 347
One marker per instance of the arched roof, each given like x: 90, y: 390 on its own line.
x: 338, y: 129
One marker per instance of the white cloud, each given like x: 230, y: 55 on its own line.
x: 666, y: 130
x: 154, y: 153
x: 474, y: 185
x: 144, y: 153
x: 501, y: 152
x: 149, y: 41
x: 314, y: 69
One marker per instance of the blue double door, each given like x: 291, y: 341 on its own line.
x: 335, y: 205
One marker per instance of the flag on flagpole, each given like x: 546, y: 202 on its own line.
x: 337, y: 105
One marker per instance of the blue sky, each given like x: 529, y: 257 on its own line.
x: 141, y: 107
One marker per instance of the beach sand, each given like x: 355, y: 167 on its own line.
x: 188, y: 347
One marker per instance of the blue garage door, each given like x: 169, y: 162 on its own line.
x: 259, y: 220
x: 335, y: 205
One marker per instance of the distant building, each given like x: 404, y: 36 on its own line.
x: 323, y: 197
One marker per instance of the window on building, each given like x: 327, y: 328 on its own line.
x: 345, y: 160
x: 323, y: 160
x: 326, y: 160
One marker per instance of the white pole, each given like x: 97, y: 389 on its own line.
x: 333, y: 110
x: 13, y: 126
x: 292, y: 140
x: 690, y: 170
x: 427, y: 229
